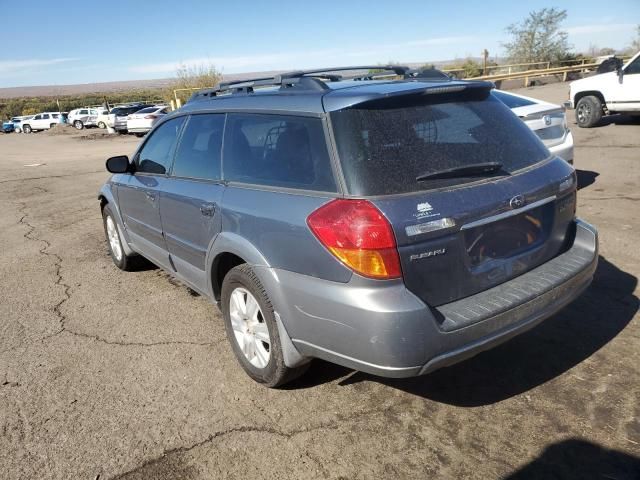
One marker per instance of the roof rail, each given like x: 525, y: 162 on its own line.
x: 303, y: 79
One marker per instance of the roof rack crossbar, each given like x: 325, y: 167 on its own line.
x: 304, y: 79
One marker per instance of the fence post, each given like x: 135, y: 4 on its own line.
x: 178, y: 103
x: 526, y: 81
x: 564, y: 76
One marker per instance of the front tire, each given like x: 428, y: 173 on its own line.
x: 116, y: 250
x: 78, y: 124
x: 27, y: 129
x: 588, y: 111
x: 252, y: 329
x: 18, y: 130
x: 101, y: 125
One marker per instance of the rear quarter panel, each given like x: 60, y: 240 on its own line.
x: 275, y: 223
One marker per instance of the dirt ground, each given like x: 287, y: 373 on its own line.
x: 113, y: 375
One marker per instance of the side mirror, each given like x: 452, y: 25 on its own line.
x: 119, y: 164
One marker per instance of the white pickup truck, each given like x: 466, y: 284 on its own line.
x: 607, y: 93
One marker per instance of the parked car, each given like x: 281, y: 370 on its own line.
x: 103, y: 117
x: 393, y: 227
x: 17, y: 122
x: 118, y: 116
x: 83, y: 117
x: 41, y: 121
x: 7, y: 126
x: 143, y: 120
x: 546, y: 120
x: 607, y: 93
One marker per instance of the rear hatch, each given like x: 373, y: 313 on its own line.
x: 458, y: 233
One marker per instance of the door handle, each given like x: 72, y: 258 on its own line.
x: 208, y: 209
x: 150, y: 196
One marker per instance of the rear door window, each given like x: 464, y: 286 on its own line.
x: 198, y: 155
x: 385, y: 146
x: 277, y: 150
x: 157, y: 152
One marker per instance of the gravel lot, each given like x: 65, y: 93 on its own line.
x: 113, y: 375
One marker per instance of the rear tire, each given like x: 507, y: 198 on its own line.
x: 78, y: 124
x: 52, y: 125
x: 589, y: 111
x: 139, y: 135
x: 252, y: 330
x: 116, y: 250
x: 101, y: 125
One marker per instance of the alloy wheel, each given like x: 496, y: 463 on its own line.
x: 114, y: 239
x: 584, y: 112
x: 249, y: 327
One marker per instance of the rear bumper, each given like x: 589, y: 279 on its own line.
x: 383, y: 329
x: 565, y: 149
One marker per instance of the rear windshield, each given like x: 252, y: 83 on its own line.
x: 384, y: 145
x: 147, y: 110
x: 511, y: 101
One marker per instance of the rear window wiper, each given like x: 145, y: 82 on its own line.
x: 474, y: 169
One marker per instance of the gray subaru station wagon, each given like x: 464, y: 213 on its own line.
x: 393, y: 223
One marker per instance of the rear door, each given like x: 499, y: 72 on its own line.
x: 44, y: 121
x: 191, y: 197
x: 459, y: 234
x: 139, y: 194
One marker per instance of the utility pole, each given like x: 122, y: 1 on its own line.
x: 485, y: 54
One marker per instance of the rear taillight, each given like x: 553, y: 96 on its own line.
x: 151, y: 117
x: 357, y: 233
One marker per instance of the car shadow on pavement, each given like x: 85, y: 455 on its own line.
x: 579, y: 459
x: 619, y: 119
x: 141, y: 264
x: 537, y: 356
x: 586, y: 178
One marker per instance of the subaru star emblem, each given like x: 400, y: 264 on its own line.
x: 547, y: 120
x: 517, y: 201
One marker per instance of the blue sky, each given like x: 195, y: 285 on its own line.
x: 66, y: 41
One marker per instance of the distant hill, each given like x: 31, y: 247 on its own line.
x: 107, y: 87
x: 103, y: 87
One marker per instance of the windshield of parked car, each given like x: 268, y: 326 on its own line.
x: 148, y: 110
x: 512, y: 101
x: 390, y: 146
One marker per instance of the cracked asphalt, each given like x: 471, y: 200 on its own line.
x: 113, y: 375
